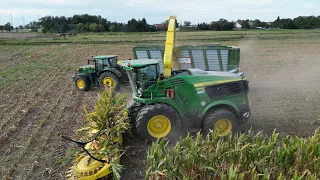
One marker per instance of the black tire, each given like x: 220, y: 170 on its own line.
x: 219, y: 114
x: 133, y: 113
x: 85, y: 79
x: 149, y: 111
x: 111, y: 75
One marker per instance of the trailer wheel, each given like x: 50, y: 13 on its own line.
x: 222, y: 121
x: 108, y: 79
x: 82, y: 83
x: 158, y: 121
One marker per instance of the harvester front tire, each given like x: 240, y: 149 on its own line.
x: 82, y: 83
x: 158, y: 121
x: 222, y: 119
x: 111, y: 78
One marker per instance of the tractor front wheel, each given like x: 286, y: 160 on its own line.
x: 158, y: 121
x: 222, y: 121
x: 108, y: 79
x: 82, y: 83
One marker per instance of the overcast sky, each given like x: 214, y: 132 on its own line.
x: 156, y: 11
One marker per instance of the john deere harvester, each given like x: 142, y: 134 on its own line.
x: 104, y: 72
x: 164, y: 104
x: 166, y: 101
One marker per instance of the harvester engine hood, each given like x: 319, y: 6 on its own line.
x: 86, y: 69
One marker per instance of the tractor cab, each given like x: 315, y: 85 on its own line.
x: 101, y: 62
x: 142, y: 73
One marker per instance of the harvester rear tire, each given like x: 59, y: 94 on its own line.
x: 220, y: 115
x: 110, y: 75
x: 158, y: 110
x: 86, y: 82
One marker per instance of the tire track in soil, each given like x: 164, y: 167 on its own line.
x: 60, y: 123
x: 20, y: 92
x: 24, y: 124
x: 19, y: 138
x: 47, y: 137
x: 25, y: 104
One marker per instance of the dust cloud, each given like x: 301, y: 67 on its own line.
x: 284, y: 85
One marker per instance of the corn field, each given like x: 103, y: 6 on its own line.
x: 242, y: 156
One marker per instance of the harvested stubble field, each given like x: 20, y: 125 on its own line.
x: 38, y: 102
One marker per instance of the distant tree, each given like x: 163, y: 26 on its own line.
x: 7, y: 27
x: 113, y: 28
x: 100, y: 28
x: 104, y: 24
x: 277, y: 22
x: 93, y: 27
x: 80, y: 28
x: 186, y: 23
x: 21, y: 27
x: 257, y: 23
x: 132, y: 25
x: 34, y: 26
x: 203, y: 26
x: 245, y: 24
x: 1, y: 28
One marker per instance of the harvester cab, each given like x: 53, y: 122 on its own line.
x: 104, y: 71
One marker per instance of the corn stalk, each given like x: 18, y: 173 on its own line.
x: 243, y: 156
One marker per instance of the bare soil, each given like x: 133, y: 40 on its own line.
x: 40, y: 102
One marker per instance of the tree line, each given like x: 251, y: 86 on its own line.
x: 91, y: 23
x: 301, y: 22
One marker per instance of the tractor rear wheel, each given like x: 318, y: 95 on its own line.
x: 82, y: 83
x: 158, y: 121
x: 221, y: 121
x: 108, y: 79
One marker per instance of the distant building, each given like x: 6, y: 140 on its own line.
x: 251, y: 24
x: 238, y: 24
x: 161, y: 27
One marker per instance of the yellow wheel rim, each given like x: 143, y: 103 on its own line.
x: 88, y: 166
x: 80, y: 83
x: 223, y: 127
x: 159, y: 126
x: 107, y: 81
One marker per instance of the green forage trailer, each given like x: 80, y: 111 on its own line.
x: 213, y: 57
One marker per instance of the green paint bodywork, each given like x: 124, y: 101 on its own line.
x: 138, y: 63
x: 191, y: 99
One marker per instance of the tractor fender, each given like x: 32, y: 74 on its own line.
x: 112, y: 70
x: 221, y: 104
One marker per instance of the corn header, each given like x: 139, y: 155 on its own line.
x: 101, y: 149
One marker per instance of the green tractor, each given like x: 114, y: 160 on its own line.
x: 104, y: 72
x: 191, y: 99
